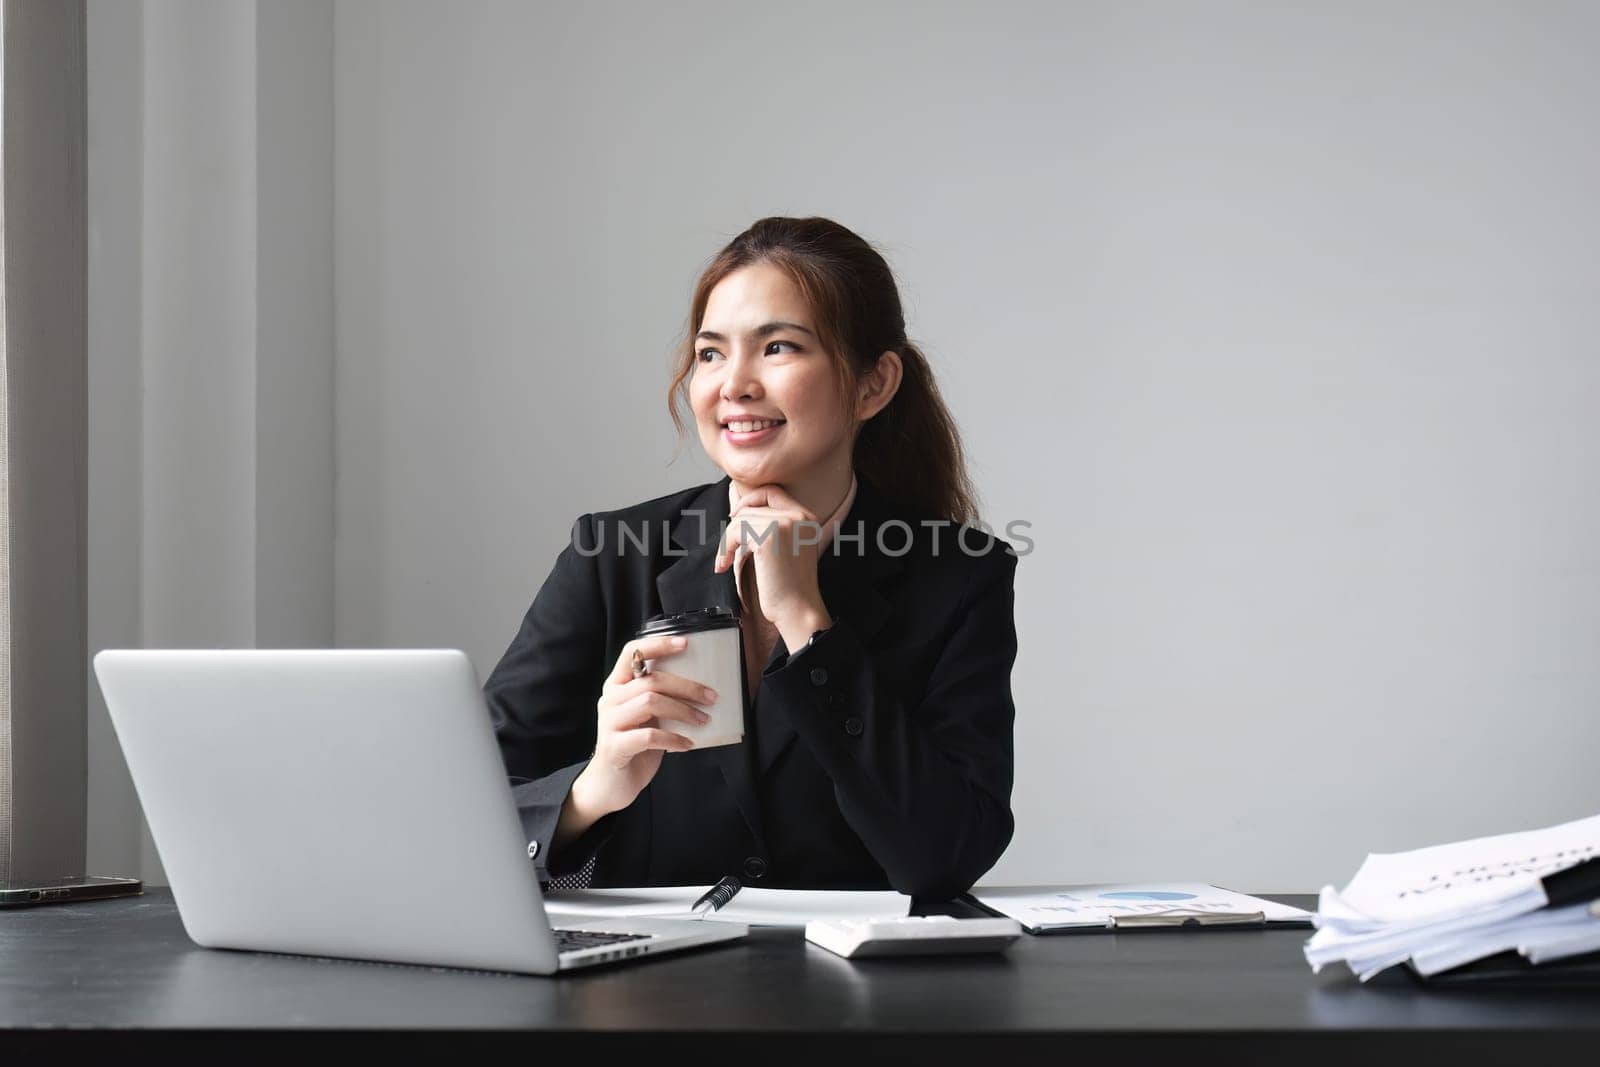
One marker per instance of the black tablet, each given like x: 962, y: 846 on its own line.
x: 25, y: 891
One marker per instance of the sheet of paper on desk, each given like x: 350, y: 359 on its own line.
x: 1464, y: 877
x: 1089, y: 907
x: 757, y: 907
x: 1443, y: 906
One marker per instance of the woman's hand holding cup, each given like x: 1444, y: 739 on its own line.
x: 629, y: 739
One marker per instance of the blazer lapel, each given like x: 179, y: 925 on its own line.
x: 688, y: 585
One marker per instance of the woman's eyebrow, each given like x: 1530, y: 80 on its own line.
x: 759, y: 331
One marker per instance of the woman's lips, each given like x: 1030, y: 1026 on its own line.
x: 751, y: 437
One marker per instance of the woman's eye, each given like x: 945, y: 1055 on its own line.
x: 705, y: 354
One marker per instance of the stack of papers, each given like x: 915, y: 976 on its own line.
x: 1532, y: 893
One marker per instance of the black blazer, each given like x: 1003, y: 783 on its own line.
x: 882, y: 753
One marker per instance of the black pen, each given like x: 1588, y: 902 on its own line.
x: 717, y: 896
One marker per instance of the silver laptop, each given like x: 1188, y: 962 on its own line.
x: 348, y: 803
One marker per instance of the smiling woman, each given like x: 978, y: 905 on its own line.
x: 767, y: 290
x: 876, y: 689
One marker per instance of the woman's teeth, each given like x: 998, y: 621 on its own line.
x: 749, y: 427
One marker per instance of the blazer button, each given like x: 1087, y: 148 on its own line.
x: 533, y: 849
x: 819, y: 676
x: 755, y: 867
x: 852, y: 726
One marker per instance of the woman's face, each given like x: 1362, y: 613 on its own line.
x: 758, y: 367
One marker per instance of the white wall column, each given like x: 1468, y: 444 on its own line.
x: 211, y: 420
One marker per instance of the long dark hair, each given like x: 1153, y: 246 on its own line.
x: 910, y: 451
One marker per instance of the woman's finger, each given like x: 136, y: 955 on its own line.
x: 638, y: 710
x: 634, y: 742
x: 687, y: 690
x: 738, y: 539
x: 648, y: 648
x: 774, y: 498
x: 730, y: 554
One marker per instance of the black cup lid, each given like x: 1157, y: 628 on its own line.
x: 718, y: 618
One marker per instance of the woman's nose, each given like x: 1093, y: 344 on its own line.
x: 743, y: 379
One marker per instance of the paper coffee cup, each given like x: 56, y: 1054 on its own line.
x: 714, y: 657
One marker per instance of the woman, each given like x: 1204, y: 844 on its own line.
x: 878, y: 661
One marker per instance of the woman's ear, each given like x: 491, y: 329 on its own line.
x: 879, y: 386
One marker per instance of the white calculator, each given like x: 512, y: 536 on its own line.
x: 912, y: 935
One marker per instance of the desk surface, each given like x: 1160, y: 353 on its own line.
x: 126, y: 965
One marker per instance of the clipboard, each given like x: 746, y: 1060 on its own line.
x: 1099, y: 909
x: 1184, y: 917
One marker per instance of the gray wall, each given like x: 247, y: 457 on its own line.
x: 1275, y: 321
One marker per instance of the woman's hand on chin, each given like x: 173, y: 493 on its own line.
x: 781, y: 536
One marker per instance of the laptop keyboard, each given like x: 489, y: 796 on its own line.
x: 568, y: 940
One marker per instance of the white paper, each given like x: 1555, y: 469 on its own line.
x: 1367, y: 941
x: 1446, y: 905
x: 1429, y: 883
x: 1559, y: 944
x: 756, y: 907
x: 1094, y: 906
x: 1548, y: 925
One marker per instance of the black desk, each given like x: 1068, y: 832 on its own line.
x: 121, y: 976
